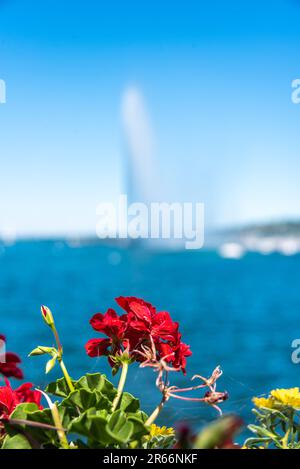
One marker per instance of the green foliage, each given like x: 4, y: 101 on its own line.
x: 275, y: 429
x: 119, y: 427
x: 160, y: 441
x: 86, y: 418
x: 16, y: 442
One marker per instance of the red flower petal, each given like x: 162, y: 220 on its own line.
x: 129, y: 303
x: 163, y: 327
x: 140, y: 327
x: 165, y: 351
x: 181, y: 353
x: 108, y: 323
x: 12, y: 358
x: 8, y: 401
x: 97, y: 347
x: 9, y: 398
x: 10, y: 367
x: 26, y: 394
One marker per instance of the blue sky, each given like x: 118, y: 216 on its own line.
x: 216, y: 81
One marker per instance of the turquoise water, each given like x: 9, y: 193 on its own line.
x: 240, y: 314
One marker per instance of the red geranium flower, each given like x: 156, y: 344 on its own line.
x: 143, y: 310
x: 181, y: 352
x: 142, y: 316
x: 175, y: 353
x: 163, y: 327
x: 10, y: 398
x: 111, y: 325
x: 10, y: 368
x: 8, y: 401
x: 25, y: 393
x: 98, y: 347
x: 141, y: 327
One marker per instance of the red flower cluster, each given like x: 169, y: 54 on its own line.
x: 141, y: 326
x: 9, y: 366
x: 10, y: 398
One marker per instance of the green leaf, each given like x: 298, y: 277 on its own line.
x: 119, y: 428
x: 263, y: 432
x: 59, y: 388
x: 90, y: 382
x: 91, y: 424
x: 16, y: 442
x: 96, y: 382
x: 129, y: 403
x: 256, y: 441
x: 84, y: 400
x: 41, y: 435
x: 22, y: 410
x: 139, y: 428
x: 25, y: 412
x: 160, y: 442
x: 138, y: 414
x: 85, y: 412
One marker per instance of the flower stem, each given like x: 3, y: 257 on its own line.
x: 58, y: 342
x: 156, y: 412
x: 66, y: 374
x: 57, y: 421
x: 60, y: 360
x: 120, y: 386
x: 61, y: 433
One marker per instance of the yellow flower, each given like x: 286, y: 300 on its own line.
x: 262, y: 402
x: 279, y: 398
x: 160, y: 431
x: 289, y: 397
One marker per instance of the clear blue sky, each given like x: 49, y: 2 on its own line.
x: 216, y: 79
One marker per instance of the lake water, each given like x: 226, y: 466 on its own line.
x: 241, y: 314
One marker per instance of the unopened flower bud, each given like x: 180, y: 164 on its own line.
x: 47, y: 316
x: 41, y: 350
x: 50, y: 365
